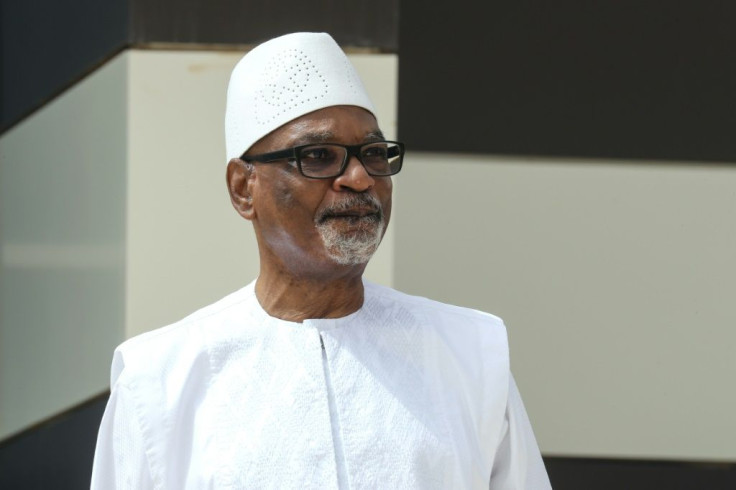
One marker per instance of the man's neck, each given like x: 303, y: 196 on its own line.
x: 298, y: 299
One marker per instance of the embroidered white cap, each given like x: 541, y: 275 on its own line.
x: 283, y: 79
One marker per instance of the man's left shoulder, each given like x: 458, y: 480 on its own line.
x: 436, y: 311
x: 462, y: 346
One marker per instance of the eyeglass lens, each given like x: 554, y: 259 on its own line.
x: 379, y: 159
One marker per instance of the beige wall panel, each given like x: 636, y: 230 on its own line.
x: 616, y: 282
x: 62, y: 205
x: 186, y: 245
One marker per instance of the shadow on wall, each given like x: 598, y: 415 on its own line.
x: 56, y: 453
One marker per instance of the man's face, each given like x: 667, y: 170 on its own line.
x: 308, y: 225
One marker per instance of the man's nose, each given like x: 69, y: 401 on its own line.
x: 355, y: 177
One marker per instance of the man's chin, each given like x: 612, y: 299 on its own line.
x: 351, y: 241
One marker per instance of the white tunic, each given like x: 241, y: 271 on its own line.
x: 404, y: 393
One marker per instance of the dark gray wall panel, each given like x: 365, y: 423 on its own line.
x: 47, y: 45
x: 356, y: 23
x: 56, y: 454
x: 623, y: 78
x: 631, y: 474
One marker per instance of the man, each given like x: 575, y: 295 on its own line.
x: 310, y: 377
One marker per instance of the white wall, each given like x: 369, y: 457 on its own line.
x: 616, y: 281
x: 62, y: 231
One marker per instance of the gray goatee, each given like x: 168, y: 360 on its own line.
x: 358, y: 246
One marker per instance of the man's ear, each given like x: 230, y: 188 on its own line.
x: 239, y: 177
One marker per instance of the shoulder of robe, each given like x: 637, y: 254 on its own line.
x: 470, y: 351
x: 178, y: 347
x: 467, y: 332
x: 450, y: 316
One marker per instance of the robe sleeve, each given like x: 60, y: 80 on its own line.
x: 120, y: 455
x: 518, y: 464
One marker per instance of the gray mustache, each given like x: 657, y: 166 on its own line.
x: 351, y: 202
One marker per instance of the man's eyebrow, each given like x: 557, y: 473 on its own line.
x: 314, y: 137
x: 329, y: 137
x: 376, y: 135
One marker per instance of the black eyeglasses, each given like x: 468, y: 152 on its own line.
x: 329, y: 160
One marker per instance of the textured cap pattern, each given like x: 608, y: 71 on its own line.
x: 283, y: 79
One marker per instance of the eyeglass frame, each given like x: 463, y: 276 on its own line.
x: 292, y: 154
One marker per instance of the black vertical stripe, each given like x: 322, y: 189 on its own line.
x: 363, y: 23
x: 622, y: 79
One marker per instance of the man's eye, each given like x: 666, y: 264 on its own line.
x: 316, y: 154
x: 375, y: 152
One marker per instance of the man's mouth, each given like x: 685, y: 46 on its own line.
x: 355, y: 214
x: 357, y: 209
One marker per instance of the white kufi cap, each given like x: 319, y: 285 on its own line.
x: 283, y: 79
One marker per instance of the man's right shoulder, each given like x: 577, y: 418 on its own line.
x: 180, y: 342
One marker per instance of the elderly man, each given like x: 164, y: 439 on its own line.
x: 310, y: 376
